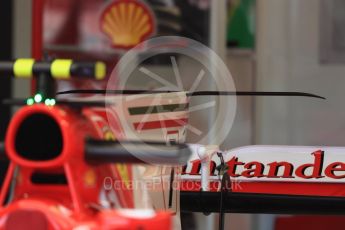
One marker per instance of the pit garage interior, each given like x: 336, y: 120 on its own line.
x: 290, y: 52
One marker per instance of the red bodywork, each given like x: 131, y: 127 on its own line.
x: 75, y: 203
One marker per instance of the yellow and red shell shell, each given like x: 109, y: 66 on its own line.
x: 127, y: 23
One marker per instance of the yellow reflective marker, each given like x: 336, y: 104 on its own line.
x: 23, y: 67
x: 60, y: 68
x: 100, y: 70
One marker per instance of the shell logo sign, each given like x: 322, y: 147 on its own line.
x: 127, y: 23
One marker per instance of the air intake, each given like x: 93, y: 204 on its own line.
x: 38, y: 138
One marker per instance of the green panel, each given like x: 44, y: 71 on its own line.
x: 241, y: 24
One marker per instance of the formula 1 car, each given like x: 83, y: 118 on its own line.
x: 258, y: 179
x: 65, y: 157
x: 59, y: 159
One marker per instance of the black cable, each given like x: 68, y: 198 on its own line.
x: 196, y: 93
x: 224, y: 189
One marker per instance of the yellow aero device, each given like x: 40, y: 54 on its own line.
x: 58, y: 69
x: 23, y: 67
x: 61, y: 68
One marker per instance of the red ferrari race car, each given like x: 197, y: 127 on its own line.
x: 61, y: 156
x: 70, y: 170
